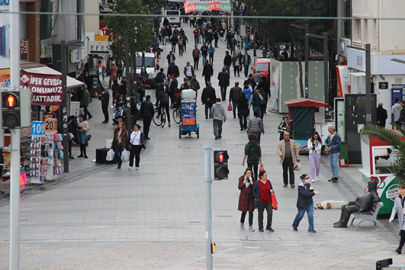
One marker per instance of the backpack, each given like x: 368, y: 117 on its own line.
x: 253, y: 151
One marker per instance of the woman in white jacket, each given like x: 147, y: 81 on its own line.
x: 399, y: 207
x: 315, y: 147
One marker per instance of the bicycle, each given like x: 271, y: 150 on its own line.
x: 159, y: 119
x: 177, y: 116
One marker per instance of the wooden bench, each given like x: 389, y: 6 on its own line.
x: 371, y: 215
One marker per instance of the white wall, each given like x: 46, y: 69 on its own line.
x: 91, y: 22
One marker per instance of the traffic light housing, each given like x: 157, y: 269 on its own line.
x: 10, y: 107
x: 221, y: 165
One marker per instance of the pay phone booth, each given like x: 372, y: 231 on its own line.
x: 377, y: 158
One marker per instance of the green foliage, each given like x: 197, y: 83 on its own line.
x: 145, y: 36
x: 385, y: 135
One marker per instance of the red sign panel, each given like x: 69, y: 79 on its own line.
x: 46, y: 89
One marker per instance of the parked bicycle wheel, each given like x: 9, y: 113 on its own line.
x: 176, y: 116
x: 157, y: 120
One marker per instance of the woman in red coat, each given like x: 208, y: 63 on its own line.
x: 246, y: 199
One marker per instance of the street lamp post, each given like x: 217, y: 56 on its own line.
x: 128, y: 82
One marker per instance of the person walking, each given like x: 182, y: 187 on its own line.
x: 170, y: 58
x: 105, y: 100
x: 381, y: 115
x: 315, y: 148
x: 146, y: 114
x: 188, y: 71
x: 185, y: 41
x: 399, y: 208
x: 262, y: 191
x: 211, y: 51
x: 332, y: 143
x: 223, y: 78
x: 253, y: 153
x: 228, y: 63
x: 82, y: 128
x: 216, y: 37
x: 180, y: 43
x: 196, y: 32
x: 218, y: 114
x: 163, y: 32
x: 136, y: 140
x: 255, y: 99
x: 195, y: 85
x: 236, y: 64
x: 234, y: 95
x: 208, y: 72
x: 196, y: 57
x: 243, y: 110
x: 119, y: 141
x: 113, y: 74
x: 289, y: 154
x: 85, y: 101
x: 174, y: 40
x: 305, y: 204
x: 246, y: 60
x: 208, y: 97
x: 283, y: 127
x: 246, y: 199
x: 396, y: 110
x: 173, y: 70
x: 255, y: 125
x: 173, y: 86
x: 204, y: 52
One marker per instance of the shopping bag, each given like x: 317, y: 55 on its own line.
x: 110, y: 155
x: 125, y: 155
x: 297, y: 166
x: 274, y: 203
x: 230, y: 107
x: 261, y: 168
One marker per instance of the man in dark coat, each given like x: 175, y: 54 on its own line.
x: 227, y: 63
x: 381, y: 115
x: 208, y: 97
x: 105, y: 100
x: 173, y: 70
x: 223, y: 78
x: 146, y: 114
x: 208, y: 72
x: 170, y: 58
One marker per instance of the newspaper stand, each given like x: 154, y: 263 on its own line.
x: 188, y: 118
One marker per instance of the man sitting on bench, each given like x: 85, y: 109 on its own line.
x: 362, y: 204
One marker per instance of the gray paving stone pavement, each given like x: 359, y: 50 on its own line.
x: 98, y: 217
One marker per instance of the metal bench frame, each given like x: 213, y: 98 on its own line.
x: 372, y: 215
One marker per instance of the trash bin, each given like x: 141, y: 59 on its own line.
x: 101, y: 154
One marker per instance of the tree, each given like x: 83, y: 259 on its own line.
x: 281, y: 29
x: 385, y: 135
x: 139, y: 41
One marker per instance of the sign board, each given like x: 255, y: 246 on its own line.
x: 51, y: 125
x: 356, y: 59
x: 207, y: 5
x: 74, y: 56
x: 383, y: 85
x: 38, y: 128
x: 46, y: 88
x: 97, y: 47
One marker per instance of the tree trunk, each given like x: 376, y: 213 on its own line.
x: 299, y: 64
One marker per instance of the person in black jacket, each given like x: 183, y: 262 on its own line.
x: 173, y: 70
x: 208, y: 98
x: 227, y: 63
x: 223, y: 78
x: 163, y: 101
x: 146, y: 114
x: 105, y: 100
x: 381, y: 115
x: 305, y: 203
x: 208, y: 71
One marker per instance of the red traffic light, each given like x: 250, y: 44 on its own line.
x: 10, y: 100
x: 221, y: 157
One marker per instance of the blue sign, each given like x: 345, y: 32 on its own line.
x: 38, y: 128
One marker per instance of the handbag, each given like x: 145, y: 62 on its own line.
x: 297, y: 166
x: 274, y: 203
x: 230, y: 107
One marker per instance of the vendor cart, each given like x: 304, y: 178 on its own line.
x: 188, y: 122
x: 377, y: 157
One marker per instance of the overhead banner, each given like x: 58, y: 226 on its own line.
x: 207, y: 5
x: 46, y: 89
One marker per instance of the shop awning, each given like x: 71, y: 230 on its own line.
x: 71, y: 82
x: 304, y: 102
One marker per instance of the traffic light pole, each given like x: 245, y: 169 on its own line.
x: 15, y: 140
x: 208, y: 210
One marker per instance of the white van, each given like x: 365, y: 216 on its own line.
x: 173, y: 16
